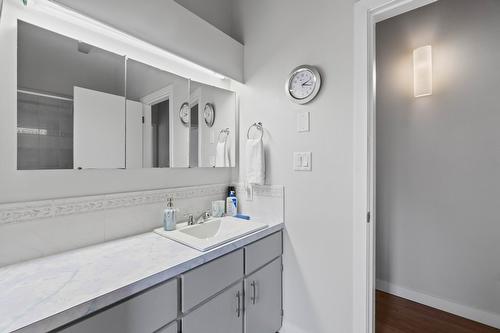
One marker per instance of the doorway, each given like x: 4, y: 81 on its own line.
x: 194, y: 136
x: 437, y: 170
x: 481, y: 308
x: 160, y: 128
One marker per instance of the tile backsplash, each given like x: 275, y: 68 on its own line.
x: 31, y: 230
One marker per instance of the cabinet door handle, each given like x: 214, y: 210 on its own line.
x: 254, y: 292
x: 238, y: 300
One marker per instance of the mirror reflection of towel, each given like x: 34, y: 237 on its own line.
x: 222, y: 154
x: 255, y: 162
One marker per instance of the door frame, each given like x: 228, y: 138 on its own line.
x: 366, y: 14
x: 161, y: 95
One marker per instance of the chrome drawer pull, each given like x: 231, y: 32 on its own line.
x: 254, y: 292
x: 238, y: 308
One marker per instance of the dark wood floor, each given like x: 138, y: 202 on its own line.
x: 398, y: 315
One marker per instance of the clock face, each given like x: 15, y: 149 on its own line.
x: 209, y: 114
x: 184, y: 113
x: 303, y: 84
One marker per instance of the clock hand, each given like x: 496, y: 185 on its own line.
x: 303, y: 84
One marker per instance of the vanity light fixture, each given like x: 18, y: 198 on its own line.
x: 219, y: 76
x: 422, y: 71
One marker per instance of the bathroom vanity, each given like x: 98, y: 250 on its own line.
x: 236, y: 287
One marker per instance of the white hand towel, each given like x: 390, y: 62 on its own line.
x: 255, y: 160
x: 222, y: 154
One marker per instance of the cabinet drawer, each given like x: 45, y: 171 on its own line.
x: 143, y: 313
x: 211, y: 278
x: 262, y: 251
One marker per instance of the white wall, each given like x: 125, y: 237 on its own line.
x: 279, y: 35
x: 438, y: 157
x: 33, y: 185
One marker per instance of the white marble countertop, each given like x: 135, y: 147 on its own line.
x: 46, y: 293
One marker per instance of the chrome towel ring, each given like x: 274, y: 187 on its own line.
x: 259, y: 127
x: 225, y: 131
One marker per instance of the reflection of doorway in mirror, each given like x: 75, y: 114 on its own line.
x: 157, y: 109
x: 193, y: 136
x: 160, y: 117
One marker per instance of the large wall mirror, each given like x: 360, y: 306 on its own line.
x: 156, y: 136
x: 70, y: 102
x: 82, y: 107
x: 212, y: 131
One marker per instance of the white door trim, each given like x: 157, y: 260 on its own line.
x: 163, y: 94
x: 158, y: 96
x: 366, y: 14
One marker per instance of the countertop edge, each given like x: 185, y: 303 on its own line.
x: 86, y: 308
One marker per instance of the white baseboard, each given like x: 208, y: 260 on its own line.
x: 484, y: 317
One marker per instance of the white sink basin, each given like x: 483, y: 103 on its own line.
x: 213, y: 233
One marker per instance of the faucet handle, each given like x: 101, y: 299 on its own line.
x: 190, y: 218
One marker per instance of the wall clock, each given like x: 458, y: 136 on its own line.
x: 209, y: 114
x: 303, y: 84
x: 184, y: 113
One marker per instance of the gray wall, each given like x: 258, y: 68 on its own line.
x: 438, y: 157
x: 219, y: 13
x: 278, y: 36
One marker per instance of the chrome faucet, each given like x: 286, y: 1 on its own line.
x: 201, y: 219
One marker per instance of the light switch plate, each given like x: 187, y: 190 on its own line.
x: 302, y: 161
x: 303, y: 122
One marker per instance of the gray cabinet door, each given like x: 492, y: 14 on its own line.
x: 263, y: 301
x: 222, y: 314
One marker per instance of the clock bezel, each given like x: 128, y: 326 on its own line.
x: 317, y: 84
x: 185, y: 105
x: 211, y: 107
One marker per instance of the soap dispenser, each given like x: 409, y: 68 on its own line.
x: 169, y: 216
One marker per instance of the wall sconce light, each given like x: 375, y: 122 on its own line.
x: 422, y: 71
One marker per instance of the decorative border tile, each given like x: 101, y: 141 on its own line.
x: 27, y: 211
